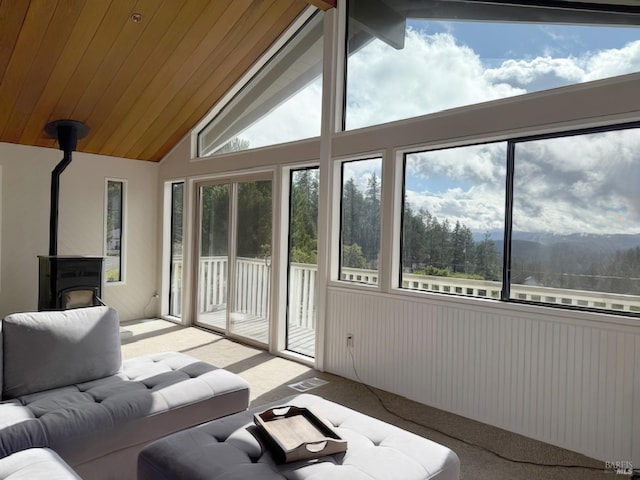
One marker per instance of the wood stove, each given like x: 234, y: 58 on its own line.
x: 67, y: 281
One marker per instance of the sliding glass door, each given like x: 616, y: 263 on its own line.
x: 234, y: 257
x: 213, y: 259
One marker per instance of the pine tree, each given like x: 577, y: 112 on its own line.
x: 371, y: 214
x: 214, y: 220
x: 303, y: 223
x: 352, y: 214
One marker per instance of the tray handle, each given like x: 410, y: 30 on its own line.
x: 316, y: 447
x: 279, y: 412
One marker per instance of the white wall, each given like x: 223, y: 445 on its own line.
x: 24, y: 234
x: 566, y: 378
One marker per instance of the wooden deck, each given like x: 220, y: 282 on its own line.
x: 300, y: 340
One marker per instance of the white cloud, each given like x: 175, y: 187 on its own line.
x: 539, y: 73
x: 581, y: 184
x: 295, y: 119
x: 431, y: 73
x: 584, y: 184
x: 361, y: 171
x: 480, y: 208
x: 461, y: 184
x: 611, y: 62
x: 479, y: 163
x: 547, y: 72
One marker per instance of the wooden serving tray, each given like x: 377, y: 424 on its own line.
x: 297, y: 434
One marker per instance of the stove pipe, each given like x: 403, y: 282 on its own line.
x: 67, y: 132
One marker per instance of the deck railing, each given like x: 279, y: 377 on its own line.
x: 252, y: 285
x: 302, y: 295
x: 253, y: 289
x: 533, y: 293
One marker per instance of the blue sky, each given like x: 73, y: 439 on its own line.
x: 495, y: 42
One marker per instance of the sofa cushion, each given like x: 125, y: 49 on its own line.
x: 46, y: 350
x: 35, y: 464
x: 74, y: 418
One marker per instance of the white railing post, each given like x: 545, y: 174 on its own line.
x: 176, y: 285
x: 211, y: 283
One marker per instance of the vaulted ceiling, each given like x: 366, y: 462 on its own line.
x: 139, y: 73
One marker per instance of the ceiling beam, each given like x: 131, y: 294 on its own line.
x: 323, y: 4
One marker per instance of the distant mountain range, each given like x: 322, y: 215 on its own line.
x: 576, y: 248
x: 603, y: 243
x: 567, y: 253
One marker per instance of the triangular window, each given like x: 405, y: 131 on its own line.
x: 281, y: 103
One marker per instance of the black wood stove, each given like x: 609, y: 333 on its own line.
x: 66, y: 281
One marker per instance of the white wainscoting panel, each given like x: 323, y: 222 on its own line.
x: 571, y: 381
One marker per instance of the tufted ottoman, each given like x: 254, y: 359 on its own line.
x: 226, y: 449
x: 35, y: 464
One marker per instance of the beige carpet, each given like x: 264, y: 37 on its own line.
x: 269, y: 377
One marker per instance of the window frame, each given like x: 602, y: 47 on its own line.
x: 172, y: 224
x: 338, y: 173
x: 511, y: 141
x: 584, y: 12
x: 287, y: 195
x: 123, y: 229
x: 244, y: 82
x: 402, y: 196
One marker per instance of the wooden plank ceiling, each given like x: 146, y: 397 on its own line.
x: 139, y: 83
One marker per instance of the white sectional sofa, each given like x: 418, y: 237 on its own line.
x: 63, y: 386
x: 35, y: 464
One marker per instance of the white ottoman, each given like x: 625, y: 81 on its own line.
x: 35, y: 464
x: 226, y: 449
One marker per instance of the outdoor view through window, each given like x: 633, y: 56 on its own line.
x: 282, y: 103
x: 453, y: 220
x: 576, y: 217
x: 576, y: 220
x: 575, y: 213
x: 114, y: 230
x: 405, y: 63
x: 360, y: 220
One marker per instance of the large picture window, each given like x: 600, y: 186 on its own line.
x: 453, y: 220
x: 413, y: 58
x: 576, y: 220
x: 551, y: 219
